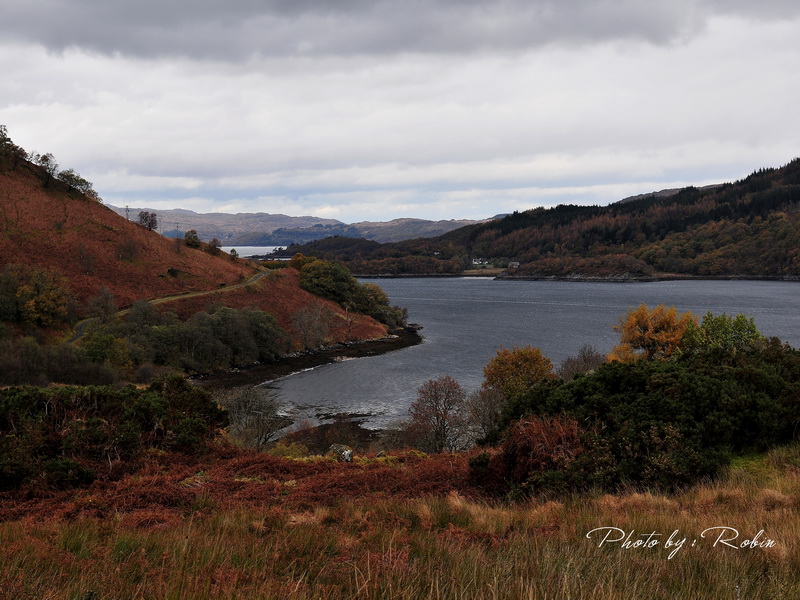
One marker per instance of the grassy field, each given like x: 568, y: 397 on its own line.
x: 433, y: 546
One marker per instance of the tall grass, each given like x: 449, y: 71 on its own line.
x: 433, y: 547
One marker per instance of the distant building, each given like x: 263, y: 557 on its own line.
x: 513, y: 265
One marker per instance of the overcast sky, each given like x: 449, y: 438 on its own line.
x: 378, y: 109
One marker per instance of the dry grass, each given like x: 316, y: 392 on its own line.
x: 441, y: 544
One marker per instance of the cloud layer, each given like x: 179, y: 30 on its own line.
x: 374, y: 110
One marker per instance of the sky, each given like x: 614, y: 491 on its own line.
x: 380, y: 109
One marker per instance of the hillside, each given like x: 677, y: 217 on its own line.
x: 63, y: 231
x: 46, y: 224
x: 750, y: 228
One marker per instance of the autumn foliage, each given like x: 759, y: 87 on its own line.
x: 749, y: 228
x: 535, y: 445
x: 650, y: 333
x: 516, y: 371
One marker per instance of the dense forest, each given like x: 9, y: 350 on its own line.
x: 748, y: 228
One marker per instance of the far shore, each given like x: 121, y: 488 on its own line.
x: 624, y: 278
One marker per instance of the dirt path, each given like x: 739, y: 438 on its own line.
x: 80, y: 327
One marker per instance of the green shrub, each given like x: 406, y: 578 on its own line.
x: 661, y: 424
x: 61, y: 437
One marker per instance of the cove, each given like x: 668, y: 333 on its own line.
x: 465, y: 321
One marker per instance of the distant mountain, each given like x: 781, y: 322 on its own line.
x: 405, y: 229
x: 749, y: 228
x: 228, y: 228
x: 265, y: 229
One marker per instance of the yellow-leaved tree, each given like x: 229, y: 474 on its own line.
x: 516, y: 371
x: 650, y: 333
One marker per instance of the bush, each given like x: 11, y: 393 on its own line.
x: 538, y: 454
x: 333, y: 281
x: 662, y: 423
x: 63, y: 437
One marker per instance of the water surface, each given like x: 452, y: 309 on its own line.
x: 466, y: 320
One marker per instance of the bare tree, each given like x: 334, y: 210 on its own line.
x: 48, y: 163
x: 482, y: 411
x: 437, y: 424
x: 313, y: 324
x: 588, y: 359
x: 253, y: 413
x: 102, y: 306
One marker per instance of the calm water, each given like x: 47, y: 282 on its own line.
x: 466, y: 320
x: 245, y: 251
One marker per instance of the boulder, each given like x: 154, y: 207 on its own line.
x: 341, y: 452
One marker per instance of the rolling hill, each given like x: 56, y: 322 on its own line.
x: 49, y: 225
x: 64, y: 231
x: 749, y: 228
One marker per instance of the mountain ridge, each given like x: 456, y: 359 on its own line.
x: 277, y: 229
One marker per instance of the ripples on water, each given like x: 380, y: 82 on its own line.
x: 466, y: 320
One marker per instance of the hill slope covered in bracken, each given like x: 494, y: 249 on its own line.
x: 47, y: 224
x: 59, y: 229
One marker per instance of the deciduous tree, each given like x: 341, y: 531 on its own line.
x: 148, y: 219
x: 587, y: 359
x: 437, y: 424
x: 721, y: 333
x: 516, y: 371
x: 42, y: 300
x: 650, y: 334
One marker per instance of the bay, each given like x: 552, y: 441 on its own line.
x: 245, y: 251
x: 466, y: 320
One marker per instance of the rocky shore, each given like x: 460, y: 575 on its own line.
x: 300, y: 361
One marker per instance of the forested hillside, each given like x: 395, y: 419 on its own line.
x: 744, y: 229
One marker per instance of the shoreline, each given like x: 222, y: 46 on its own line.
x: 403, y: 338
x: 586, y: 278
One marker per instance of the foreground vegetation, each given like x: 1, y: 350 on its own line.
x: 668, y: 472
x: 444, y: 545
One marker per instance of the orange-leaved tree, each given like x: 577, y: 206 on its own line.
x: 516, y: 371
x: 650, y: 333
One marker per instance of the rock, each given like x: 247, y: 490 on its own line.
x: 341, y: 452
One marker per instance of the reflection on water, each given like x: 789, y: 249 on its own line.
x: 466, y: 320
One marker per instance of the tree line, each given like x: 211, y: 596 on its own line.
x: 12, y: 156
x: 745, y: 228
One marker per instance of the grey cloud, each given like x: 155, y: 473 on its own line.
x: 235, y: 30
